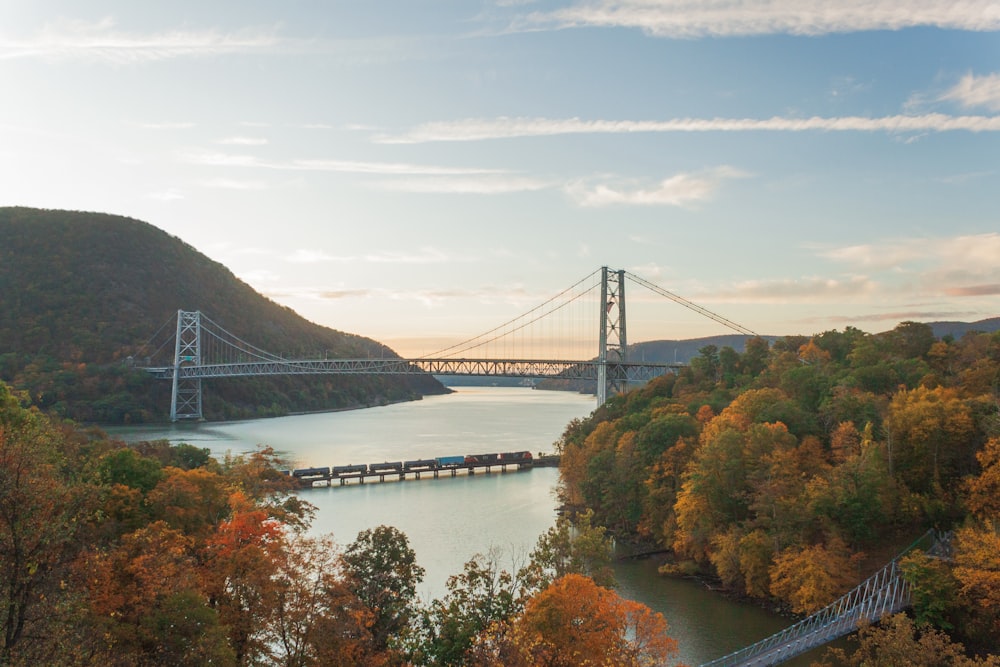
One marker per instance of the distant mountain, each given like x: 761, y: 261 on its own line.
x: 958, y: 329
x: 81, y: 292
x: 683, y: 351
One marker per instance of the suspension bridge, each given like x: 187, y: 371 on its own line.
x: 537, y: 344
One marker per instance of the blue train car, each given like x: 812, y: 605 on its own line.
x: 450, y: 461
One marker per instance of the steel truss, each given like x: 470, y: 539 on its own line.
x: 523, y: 368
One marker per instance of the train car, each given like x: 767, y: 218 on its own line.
x: 479, y: 459
x: 311, y: 472
x: 516, y: 457
x: 388, y: 466
x: 350, y: 469
x: 450, y: 461
x: 420, y: 464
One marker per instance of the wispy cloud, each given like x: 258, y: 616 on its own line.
x: 974, y: 253
x: 961, y: 266
x: 485, y: 185
x: 974, y: 290
x: 103, y: 41
x: 168, y: 195
x: 480, y: 129
x: 307, y: 256
x: 345, y: 166
x: 689, y: 19
x: 891, y: 318
x: 243, y: 141
x: 677, y: 190
x: 808, y: 289
x: 425, y: 296
x: 233, y: 184
x: 976, y: 91
x: 422, y: 256
x: 167, y: 126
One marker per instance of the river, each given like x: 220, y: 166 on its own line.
x: 448, y: 520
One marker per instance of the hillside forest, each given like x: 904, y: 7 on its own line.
x: 88, y: 297
x: 788, y: 473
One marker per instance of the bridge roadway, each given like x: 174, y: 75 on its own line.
x: 526, y: 368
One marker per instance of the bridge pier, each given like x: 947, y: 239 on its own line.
x: 185, y: 397
x: 613, y: 345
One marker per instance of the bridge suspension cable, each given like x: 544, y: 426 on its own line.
x: 693, y: 306
x: 523, y: 321
x: 226, y: 347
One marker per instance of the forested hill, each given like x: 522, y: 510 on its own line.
x: 81, y: 292
x: 790, y: 471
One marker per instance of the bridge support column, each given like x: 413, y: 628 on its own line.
x: 185, y: 397
x: 613, y: 347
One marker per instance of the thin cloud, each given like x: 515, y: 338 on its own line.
x: 976, y: 91
x: 976, y: 252
x: 485, y: 185
x: 306, y: 256
x: 802, y: 290
x: 682, y: 190
x: 474, y: 129
x: 168, y: 195
x: 428, y: 297
x: 102, y: 41
x: 691, y: 19
x: 242, y: 141
x: 907, y: 316
x: 167, y: 126
x: 423, y: 256
x: 344, y: 166
x: 974, y: 290
x: 233, y: 184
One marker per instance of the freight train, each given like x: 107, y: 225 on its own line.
x: 416, y: 465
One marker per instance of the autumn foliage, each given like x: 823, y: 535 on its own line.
x: 790, y: 472
x: 160, y: 555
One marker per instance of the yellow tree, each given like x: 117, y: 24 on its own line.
x: 931, y: 433
x: 810, y: 578
x: 983, y: 490
x: 41, y: 515
x: 977, y: 569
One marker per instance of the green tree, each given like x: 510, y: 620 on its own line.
x: 42, y: 515
x: 576, y: 546
x: 382, y: 571
x: 482, y: 596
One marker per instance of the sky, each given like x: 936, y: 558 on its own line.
x: 419, y: 171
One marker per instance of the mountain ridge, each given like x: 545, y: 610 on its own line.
x: 84, y: 291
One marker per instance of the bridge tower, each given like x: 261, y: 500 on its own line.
x: 185, y: 399
x: 613, y: 340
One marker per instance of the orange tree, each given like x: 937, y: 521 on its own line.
x: 575, y: 623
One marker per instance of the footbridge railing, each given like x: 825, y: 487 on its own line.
x: 885, y: 592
